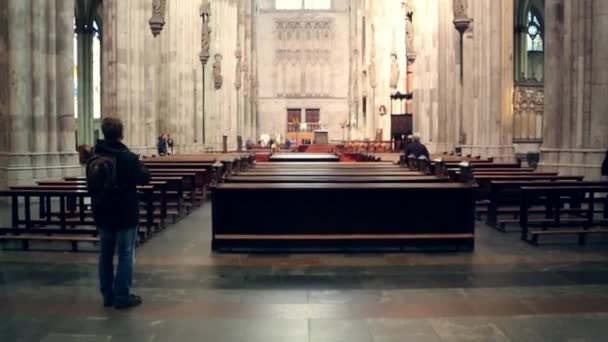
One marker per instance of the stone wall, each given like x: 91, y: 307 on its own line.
x: 303, y: 62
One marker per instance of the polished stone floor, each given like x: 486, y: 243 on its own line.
x: 505, y: 290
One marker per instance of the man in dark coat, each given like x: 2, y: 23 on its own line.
x: 416, y: 148
x: 117, y: 217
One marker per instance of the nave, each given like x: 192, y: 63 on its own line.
x: 506, y: 291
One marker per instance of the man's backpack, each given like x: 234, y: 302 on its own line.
x: 102, y: 182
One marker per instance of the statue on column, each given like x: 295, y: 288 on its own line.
x: 238, y: 73
x: 409, y: 33
x: 158, y: 16
x: 460, y: 9
x: 205, y: 13
x: 217, y: 71
x: 371, y: 73
x: 394, y: 80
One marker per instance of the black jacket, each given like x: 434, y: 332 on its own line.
x: 123, y: 211
x: 605, y: 165
x: 417, y: 149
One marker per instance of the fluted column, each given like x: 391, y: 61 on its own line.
x: 85, y: 86
x: 599, y: 76
x: 51, y: 96
x: 109, y: 92
x: 39, y: 77
x: 65, y: 74
x: 20, y: 73
x: 4, y: 94
x: 554, y: 46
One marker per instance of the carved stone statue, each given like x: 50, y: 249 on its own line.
x: 364, y: 83
x: 409, y: 32
x: 217, y: 71
x: 158, y: 16
x: 238, y: 71
x: 205, y: 13
x: 394, y: 71
x: 460, y: 9
x: 371, y: 73
x: 409, y: 39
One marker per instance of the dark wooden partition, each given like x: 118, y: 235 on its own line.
x: 280, y: 215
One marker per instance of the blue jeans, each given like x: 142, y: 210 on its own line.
x: 116, y: 288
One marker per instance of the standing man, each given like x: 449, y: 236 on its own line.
x: 112, y: 176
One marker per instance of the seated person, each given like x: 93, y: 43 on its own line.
x: 416, y: 148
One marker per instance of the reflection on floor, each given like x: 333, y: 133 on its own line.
x: 504, y: 291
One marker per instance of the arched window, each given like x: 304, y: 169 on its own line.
x: 529, y: 41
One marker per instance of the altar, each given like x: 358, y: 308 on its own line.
x: 321, y: 137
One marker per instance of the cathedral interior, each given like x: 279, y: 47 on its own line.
x: 504, y: 81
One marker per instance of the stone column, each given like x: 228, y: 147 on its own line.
x: 39, y: 75
x: 85, y: 38
x: 599, y: 76
x: 109, y: 92
x: 65, y: 75
x: 4, y: 95
x: 20, y: 74
x: 554, y: 46
x: 51, y: 12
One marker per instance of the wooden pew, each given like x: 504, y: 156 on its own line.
x: 169, y: 189
x: 147, y: 193
x: 555, y: 198
x: 335, y: 179
x: 484, y: 181
x: 303, y: 157
x: 507, y: 194
x: 29, y: 229
x: 275, y: 216
x: 330, y: 172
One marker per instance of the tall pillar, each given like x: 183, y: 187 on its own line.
x: 599, y: 76
x: 39, y: 77
x: 65, y: 75
x: 109, y: 92
x: 20, y: 75
x: 554, y: 45
x: 52, y: 83
x: 85, y: 38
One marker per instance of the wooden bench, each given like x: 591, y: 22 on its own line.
x: 555, y: 198
x: 335, y: 179
x: 507, y: 194
x: 484, y: 181
x: 330, y: 172
x: 77, y: 193
x: 341, y: 215
x: 303, y: 157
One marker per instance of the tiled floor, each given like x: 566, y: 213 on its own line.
x: 505, y: 290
